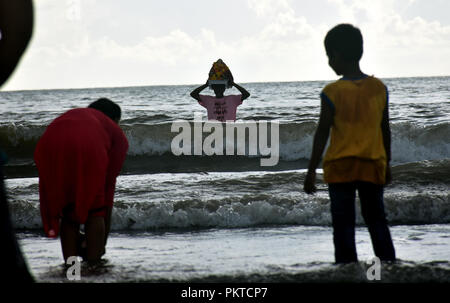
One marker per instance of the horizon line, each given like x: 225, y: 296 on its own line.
x: 193, y: 84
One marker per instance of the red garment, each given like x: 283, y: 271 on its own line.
x: 78, y: 157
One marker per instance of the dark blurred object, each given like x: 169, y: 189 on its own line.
x: 16, y: 26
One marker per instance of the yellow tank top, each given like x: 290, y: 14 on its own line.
x: 356, y: 151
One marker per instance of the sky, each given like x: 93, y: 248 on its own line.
x: 113, y: 43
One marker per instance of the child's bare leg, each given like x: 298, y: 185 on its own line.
x: 95, y: 238
x: 69, y: 237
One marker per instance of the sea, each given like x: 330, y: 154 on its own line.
x: 227, y: 218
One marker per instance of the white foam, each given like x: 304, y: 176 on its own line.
x: 410, y: 143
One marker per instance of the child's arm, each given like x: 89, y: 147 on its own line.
x: 243, y: 91
x: 196, y: 92
x: 320, y: 140
x: 386, y: 131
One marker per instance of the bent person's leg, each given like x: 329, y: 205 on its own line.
x: 69, y: 238
x: 95, y: 238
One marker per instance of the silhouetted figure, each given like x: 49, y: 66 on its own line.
x: 355, y: 108
x: 79, y: 157
x: 16, y: 25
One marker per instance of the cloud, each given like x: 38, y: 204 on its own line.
x: 268, y: 8
x: 285, y: 47
x: 170, y: 49
x: 395, y: 45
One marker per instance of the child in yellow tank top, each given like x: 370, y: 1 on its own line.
x: 356, y: 151
x: 355, y: 109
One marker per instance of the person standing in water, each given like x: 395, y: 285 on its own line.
x: 355, y: 108
x: 220, y: 107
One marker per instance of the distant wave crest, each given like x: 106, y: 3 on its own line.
x: 410, y: 143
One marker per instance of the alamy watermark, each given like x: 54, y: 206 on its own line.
x: 374, y: 271
x: 73, y: 272
x: 262, y: 140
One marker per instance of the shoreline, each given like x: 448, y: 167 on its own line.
x: 298, y: 254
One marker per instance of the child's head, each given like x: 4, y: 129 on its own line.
x: 344, y: 46
x: 107, y: 107
x: 218, y: 89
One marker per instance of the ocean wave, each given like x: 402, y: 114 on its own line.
x: 260, y: 209
x: 422, y: 172
x: 401, y: 209
x: 19, y: 140
x: 410, y: 142
x: 244, y: 201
